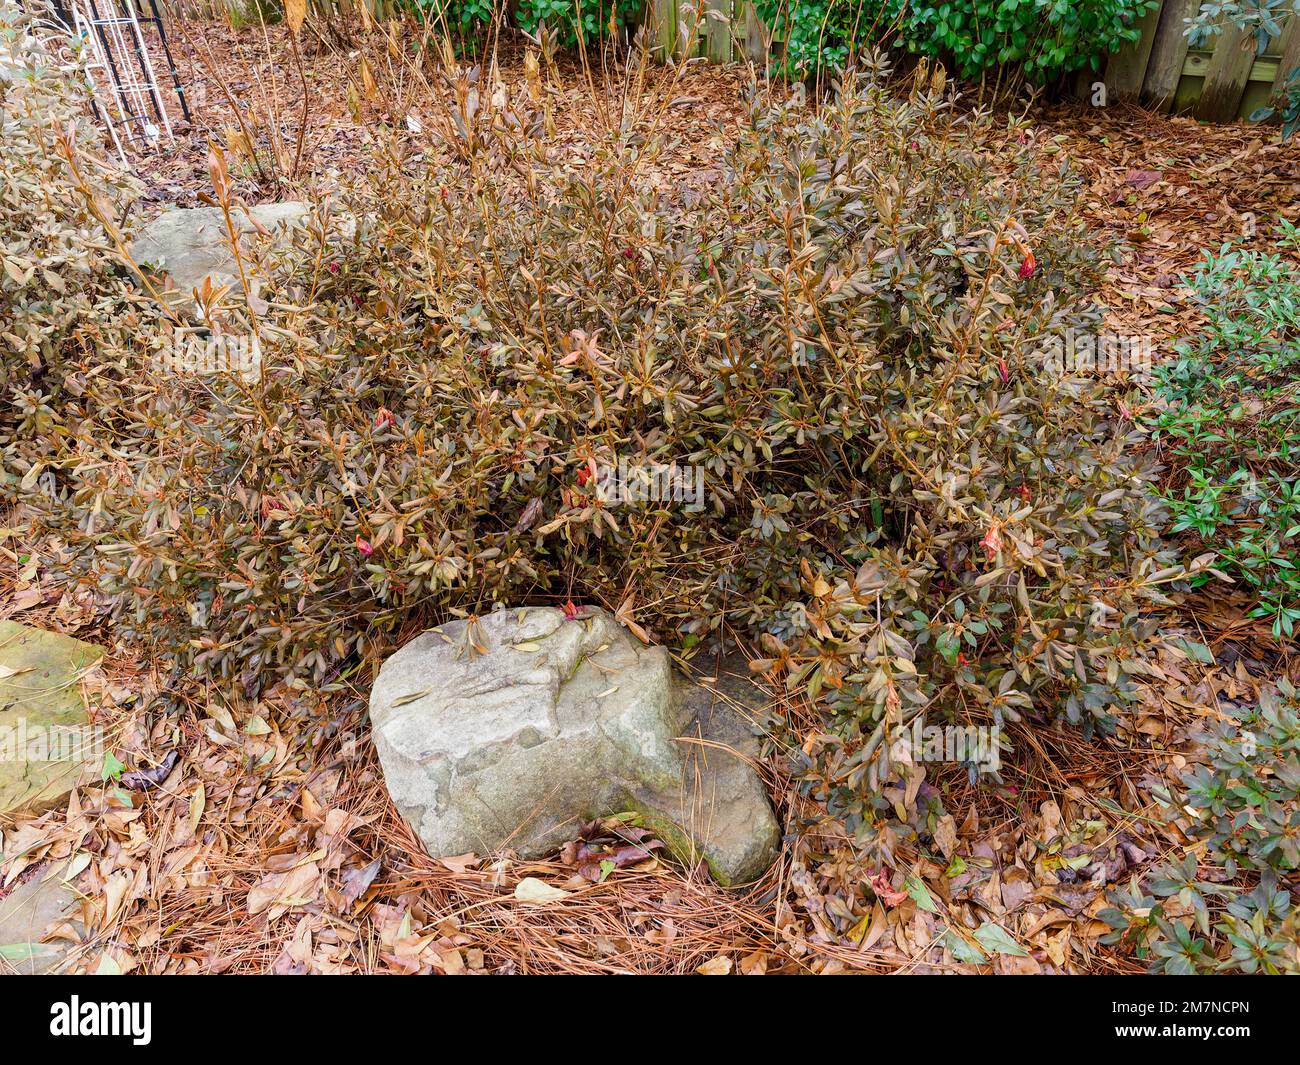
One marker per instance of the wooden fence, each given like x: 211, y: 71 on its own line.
x: 1218, y: 82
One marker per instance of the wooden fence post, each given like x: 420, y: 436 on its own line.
x: 718, y: 16
x: 1225, y: 80
x: 1168, y: 54
x: 663, y: 23
x: 758, y: 42
x: 689, y: 15
x: 1289, y: 47
x: 1127, y: 68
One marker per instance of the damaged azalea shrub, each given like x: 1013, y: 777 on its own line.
x: 65, y: 301
x: 1227, y: 906
x: 974, y: 534
x: 900, y: 504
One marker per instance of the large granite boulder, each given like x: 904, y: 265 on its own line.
x: 513, y: 730
x: 46, y: 740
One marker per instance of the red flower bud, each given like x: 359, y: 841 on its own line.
x: 1028, y: 265
x: 384, y: 418
x: 1002, y: 371
x: 365, y: 547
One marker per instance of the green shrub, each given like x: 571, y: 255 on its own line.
x: 1231, y: 420
x: 1042, y: 39
x: 1262, y: 19
x: 819, y: 36
x: 589, y: 20
x: 1037, y: 40
x: 1234, y: 913
x: 466, y: 22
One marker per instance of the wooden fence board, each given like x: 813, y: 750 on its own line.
x: 1168, y: 53
x: 1225, y: 80
x: 1127, y: 68
x: 688, y: 29
x: 758, y: 42
x: 1199, y: 65
x: 718, y: 16
x: 1289, y: 50
x: 663, y: 23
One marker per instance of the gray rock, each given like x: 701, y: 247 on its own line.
x: 46, y: 739
x: 26, y: 914
x: 514, y: 730
x: 190, y: 244
x: 729, y: 804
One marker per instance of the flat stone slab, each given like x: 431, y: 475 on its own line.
x: 45, y: 739
x: 26, y: 914
x: 512, y: 731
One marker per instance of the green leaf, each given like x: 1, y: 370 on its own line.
x: 113, y: 768
x: 18, y: 953
x: 994, y: 938
x: 920, y: 894
x: 962, y: 951
x: 1198, y: 651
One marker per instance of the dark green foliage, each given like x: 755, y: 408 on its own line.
x: 465, y: 22
x: 1246, y: 802
x: 1037, y: 40
x: 1231, y: 421
x: 571, y: 19
x: 819, y: 36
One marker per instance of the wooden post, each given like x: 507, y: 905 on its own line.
x: 1127, y: 68
x: 1168, y: 54
x: 688, y: 28
x: 1225, y: 81
x: 663, y: 23
x: 756, y: 42
x: 717, y: 30
x: 1289, y: 49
